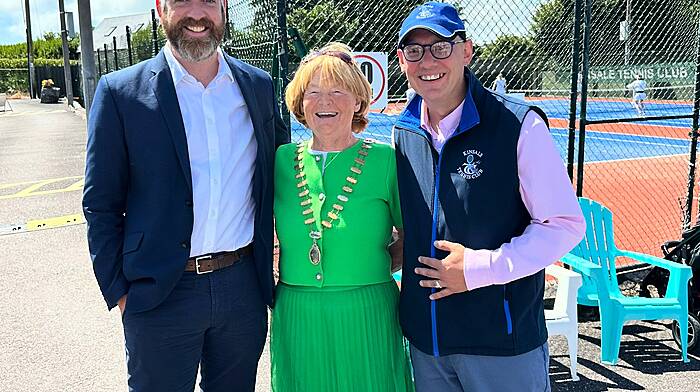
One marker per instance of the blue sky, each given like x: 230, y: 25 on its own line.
x: 485, y: 18
x: 44, y: 15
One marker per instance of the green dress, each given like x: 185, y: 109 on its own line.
x: 335, y: 325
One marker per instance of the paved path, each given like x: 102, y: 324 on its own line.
x: 56, y: 335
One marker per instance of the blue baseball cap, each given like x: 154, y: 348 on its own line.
x: 439, y: 18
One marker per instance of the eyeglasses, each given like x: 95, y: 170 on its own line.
x: 440, y: 50
x: 341, y: 55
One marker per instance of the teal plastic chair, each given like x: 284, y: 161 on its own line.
x: 594, y: 257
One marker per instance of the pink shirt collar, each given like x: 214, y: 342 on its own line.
x: 447, y: 125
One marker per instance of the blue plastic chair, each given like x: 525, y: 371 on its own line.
x: 594, y: 257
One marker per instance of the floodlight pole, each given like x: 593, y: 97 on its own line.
x: 30, y: 56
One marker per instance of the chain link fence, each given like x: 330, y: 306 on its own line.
x: 636, y: 124
x: 576, y: 59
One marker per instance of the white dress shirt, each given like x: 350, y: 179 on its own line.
x: 222, y: 151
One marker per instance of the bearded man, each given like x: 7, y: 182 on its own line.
x: 178, y: 200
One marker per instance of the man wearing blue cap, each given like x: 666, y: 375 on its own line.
x: 486, y: 205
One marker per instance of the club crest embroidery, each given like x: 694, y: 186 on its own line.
x: 425, y: 12
x: 471, y: 169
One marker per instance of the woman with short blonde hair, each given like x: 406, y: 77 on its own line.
x: 331, y: 72
x: 335, y: 322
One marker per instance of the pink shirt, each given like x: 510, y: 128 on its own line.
x: 557, y: 223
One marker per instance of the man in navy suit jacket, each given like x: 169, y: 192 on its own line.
x: 178, y: 200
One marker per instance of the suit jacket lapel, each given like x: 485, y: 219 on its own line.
x: 164, y: 90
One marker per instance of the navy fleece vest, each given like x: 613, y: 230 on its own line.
x: 469, y: 193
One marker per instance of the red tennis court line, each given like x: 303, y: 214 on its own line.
x: 628, y: 128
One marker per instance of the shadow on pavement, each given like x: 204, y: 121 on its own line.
x: 647, y: 349
x: 561, y: 378
x: 649, y: 355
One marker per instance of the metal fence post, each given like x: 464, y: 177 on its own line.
x: 154, y: 33
x: 128, y: 45
x: 584, y: 97
x: 99, y: 62
x: 227, y: 30
x: 693, y: 141
x: 116, y: 53
x: 282, y: 59
x: 66, y: 54
x: 573, y: 95
x: 106, y: 58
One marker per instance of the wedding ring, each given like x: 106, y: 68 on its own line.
x: 438, y: 285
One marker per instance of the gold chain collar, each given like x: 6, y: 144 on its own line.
x: 343, y: 197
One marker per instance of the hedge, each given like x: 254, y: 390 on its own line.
x: 22, y: 63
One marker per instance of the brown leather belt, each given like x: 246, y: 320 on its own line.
x: 216, y: 261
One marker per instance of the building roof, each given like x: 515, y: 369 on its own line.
x: 116, y: 27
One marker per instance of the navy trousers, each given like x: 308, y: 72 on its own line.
x: 216, y: 321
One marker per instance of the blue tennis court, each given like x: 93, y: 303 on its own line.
x: 600, y: 109
x: 600, y: 146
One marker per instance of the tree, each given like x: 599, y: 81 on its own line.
x: 664, y: 31
x: 321, y: 24
x: 365, y: 25
x: 49, y: 46
x: 253, y: 33
x: 509, y: 47
x: 514, y: 56
x: 142, y: 42
x: 551, y: 29
x: 661, y: 31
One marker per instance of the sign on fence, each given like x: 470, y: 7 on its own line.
x: 374, y: 66
x: 678, y: 73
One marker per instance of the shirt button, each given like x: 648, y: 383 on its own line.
x: 321, y: 196
x: 319, y: 276
x: 184, y: 245
x: 318, y: 158
x: 188, y: 204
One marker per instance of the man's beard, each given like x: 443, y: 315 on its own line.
x: 194, y: 49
